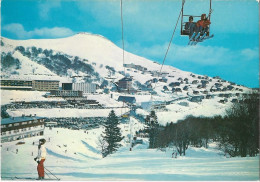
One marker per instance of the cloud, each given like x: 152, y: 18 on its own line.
x: 55, y: 32
x: 44, y: 8
x: 250, y: 54
x: 187, y: 54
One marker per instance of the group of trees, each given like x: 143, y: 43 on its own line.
x: 237, y: 133
x: 8, y: 62
x: 56, y: 62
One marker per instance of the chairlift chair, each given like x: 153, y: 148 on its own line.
x: 187, y: 32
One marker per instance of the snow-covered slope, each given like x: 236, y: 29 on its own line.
x: 63, y: 59
x: 74, y: 155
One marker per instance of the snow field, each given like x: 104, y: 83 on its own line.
x: 83, y: 162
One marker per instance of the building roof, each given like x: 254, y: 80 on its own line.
x: 18, y: 119
x: 127, y: 99
x: 126, y: 79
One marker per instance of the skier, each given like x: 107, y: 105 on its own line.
x: 41, y: 158
x: 190, y: 26
x: 203, y: 24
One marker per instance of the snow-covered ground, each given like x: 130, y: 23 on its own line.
x: 74, y: 155
x: 8, y: 96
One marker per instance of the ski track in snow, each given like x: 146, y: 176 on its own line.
x: 92, y: 149
x: 50, y: 152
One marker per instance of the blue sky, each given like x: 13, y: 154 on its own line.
x: 233, y: 53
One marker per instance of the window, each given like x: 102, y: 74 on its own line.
x: 3, y: 133
x: 16, y: 131
x: 29, y: 122
x: 16, y: 124
x: 24, y: 123
x: 10, y: 125
x: 9, y: 132
x: 3, y: 126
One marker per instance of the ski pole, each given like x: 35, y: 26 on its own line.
x: 51, y: 173
x: 47, y: 174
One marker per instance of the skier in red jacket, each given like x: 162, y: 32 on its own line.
x: 41, y: 158
x: 203, y: 24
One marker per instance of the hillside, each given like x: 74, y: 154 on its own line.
x: 93, y: 58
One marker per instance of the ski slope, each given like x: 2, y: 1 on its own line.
x: 74, y: 155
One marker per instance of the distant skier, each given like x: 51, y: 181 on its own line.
x: 41, y: 158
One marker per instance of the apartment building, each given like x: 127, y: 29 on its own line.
x: 17, y: 128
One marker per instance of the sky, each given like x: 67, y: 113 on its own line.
x: 232, y: 54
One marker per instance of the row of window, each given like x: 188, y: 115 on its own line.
x: 22, y: 123
x: 19, y: 130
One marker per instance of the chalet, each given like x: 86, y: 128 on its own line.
x: 196, y: 98
x: 230, y: 87
x: 125, y: 83
x: 163, y: 80
x: 209, y: 96
x: 127, y: 99
x: 177, y: 90
x: 185, y: 88
x: 224, y: 89
x: 195, y: 92
x: 223, y: 101
x: 17, y: 128
x: 218, y: 84
x: 174, y: 84
x: 204, y: 82
x: 205, y: 92
x: 195, y: 82
x: 199, y: 86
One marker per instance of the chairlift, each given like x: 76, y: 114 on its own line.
x: 187, y: 32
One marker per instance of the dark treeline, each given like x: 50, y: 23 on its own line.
x: 237, y: 133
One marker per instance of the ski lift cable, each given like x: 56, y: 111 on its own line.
x: 183, y: 2
x: 122, y: 28
x: 169, y: 45
x: 123, y: 45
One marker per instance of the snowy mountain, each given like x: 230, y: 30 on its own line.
x: 93, y: 58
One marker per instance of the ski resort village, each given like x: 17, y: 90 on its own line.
x: 129, y: 90
x: 169, y: 125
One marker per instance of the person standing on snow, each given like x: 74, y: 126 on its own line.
x: 41, y: 158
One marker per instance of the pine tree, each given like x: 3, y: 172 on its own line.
x: 153, y: 130
x: 111, y: 135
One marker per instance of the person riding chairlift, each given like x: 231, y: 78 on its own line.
x: 190, y: 26
x: 202, y: 25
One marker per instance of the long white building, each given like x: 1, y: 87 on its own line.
x: 84, y: 87
x: 16, y: 128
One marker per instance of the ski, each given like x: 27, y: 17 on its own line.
x: 205, y: 38
x: 32, y: 179
x: 202, y: 37
x: 195, y: 39
x: 208, y: 37
x: 192, y: 37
